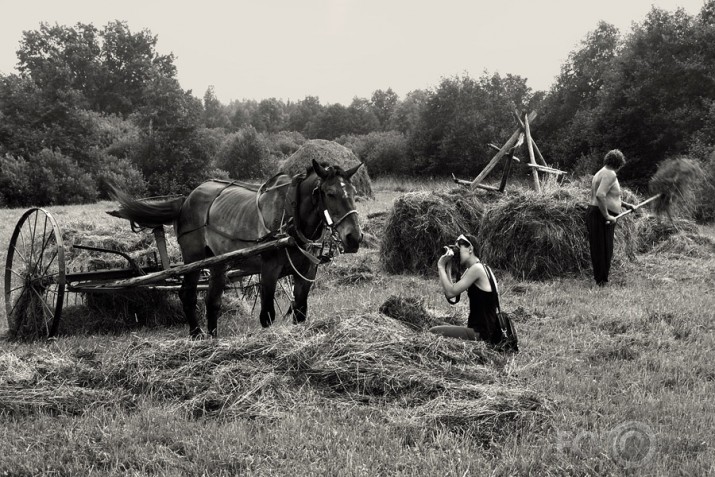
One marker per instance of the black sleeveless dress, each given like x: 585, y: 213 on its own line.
x: 483, y: 314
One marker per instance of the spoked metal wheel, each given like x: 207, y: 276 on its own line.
x: 35, y: 276
x: 283, y: 298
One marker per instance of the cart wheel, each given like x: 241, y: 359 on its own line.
x: 283, y: 298
x: 35, y: 276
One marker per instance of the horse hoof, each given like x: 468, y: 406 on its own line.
x: 197, y: 334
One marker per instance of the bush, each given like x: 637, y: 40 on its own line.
x: 47, y: 178
x: 283, y: 144
x: 244, y: 155
x: 383, y: 152
x: 121, y: 172
x: 57, y: 180
x: 14, y: 181
x: 705, y: 206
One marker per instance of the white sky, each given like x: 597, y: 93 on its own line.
x: 339, y: 49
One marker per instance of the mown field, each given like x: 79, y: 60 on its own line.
x: 609, y: 381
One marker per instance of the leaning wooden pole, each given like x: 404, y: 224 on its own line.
x: 504, y: 149
x: 532, y: 160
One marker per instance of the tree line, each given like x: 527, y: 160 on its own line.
x: 89, y: 105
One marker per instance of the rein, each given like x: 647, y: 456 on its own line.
x: 325, y: 221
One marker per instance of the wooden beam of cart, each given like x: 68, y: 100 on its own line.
x: 206, y: 263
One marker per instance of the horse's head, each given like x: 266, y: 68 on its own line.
x: 337, y: 200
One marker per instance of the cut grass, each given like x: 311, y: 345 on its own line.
x: 639, y: 350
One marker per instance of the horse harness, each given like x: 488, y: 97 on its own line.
x: 289, y: 221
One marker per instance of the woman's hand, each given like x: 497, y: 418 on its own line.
x: 444, y: 259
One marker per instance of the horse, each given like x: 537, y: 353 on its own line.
x: 222, y: 216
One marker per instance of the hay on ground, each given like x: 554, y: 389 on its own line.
x: 53, y: 383
x: 358, y: 359
x: 422, y: 223
x: 541, y: 236
x: 333, y: 154
x: 653, y: 230
x: 686, y: 244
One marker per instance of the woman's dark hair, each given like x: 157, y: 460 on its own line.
x: 614, y: 159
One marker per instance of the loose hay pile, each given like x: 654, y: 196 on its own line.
x: 687, y: 244
x: 334, y: 154
x: 541, y: 236
x: 54, y: 383
x: 415, y: 379
x: 653, y: 230
x: 421, y: 223
x: 411, y: 311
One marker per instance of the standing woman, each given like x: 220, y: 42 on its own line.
x: 483, y: 323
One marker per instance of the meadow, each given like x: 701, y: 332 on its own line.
x: 609, y: 381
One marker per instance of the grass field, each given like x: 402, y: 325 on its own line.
x: 623, y: 377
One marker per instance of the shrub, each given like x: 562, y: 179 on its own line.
x: 283, y: 144
x: 244, y: 155
x: 58, y: 180
x: 14, y: 181
x: 121, y: 172
x: 705, y: 205
x: 383, y: 152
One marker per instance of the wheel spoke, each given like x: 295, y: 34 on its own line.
x: 20, y: 254
x: 54, y: 255
x: 32, y: 237
x: 24, y: 289
x: 41, y: 255
x: 52, y: 313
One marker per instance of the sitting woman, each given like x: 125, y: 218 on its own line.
x: 483, y: 322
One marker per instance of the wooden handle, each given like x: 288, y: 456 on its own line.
x: 638, y: 206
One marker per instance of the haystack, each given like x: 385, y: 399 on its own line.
x: 422, y: 223
x: 541, y: 236
x: 331, y: 153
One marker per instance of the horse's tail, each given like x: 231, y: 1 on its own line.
x: 145, y: 213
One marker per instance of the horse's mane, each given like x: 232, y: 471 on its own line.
x: 333, y: 170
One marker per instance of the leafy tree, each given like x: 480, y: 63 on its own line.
x: 215, y: 115
x: 362, y: 119
x: 383, y: 105
x: 657, y: 95
x: 566, y: 123
x: 462, y: 117
x: 332, y: 122
x: 269, y: 116
x: 129, y: 63
x: 406, y: 114
x: 302, y: 115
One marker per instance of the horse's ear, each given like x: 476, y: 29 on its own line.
x: 349, y: 173
x: 320, y: 170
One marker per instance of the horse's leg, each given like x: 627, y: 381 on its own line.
x: 301, y: 288
x: 213, y: 297
x: 270, y: 272
x: 187, y: 293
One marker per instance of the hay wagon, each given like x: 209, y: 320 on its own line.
x: 37, y: 278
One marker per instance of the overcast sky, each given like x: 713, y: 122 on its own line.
x: 339, y: 49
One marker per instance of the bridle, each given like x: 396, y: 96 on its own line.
x: 326, y: 222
